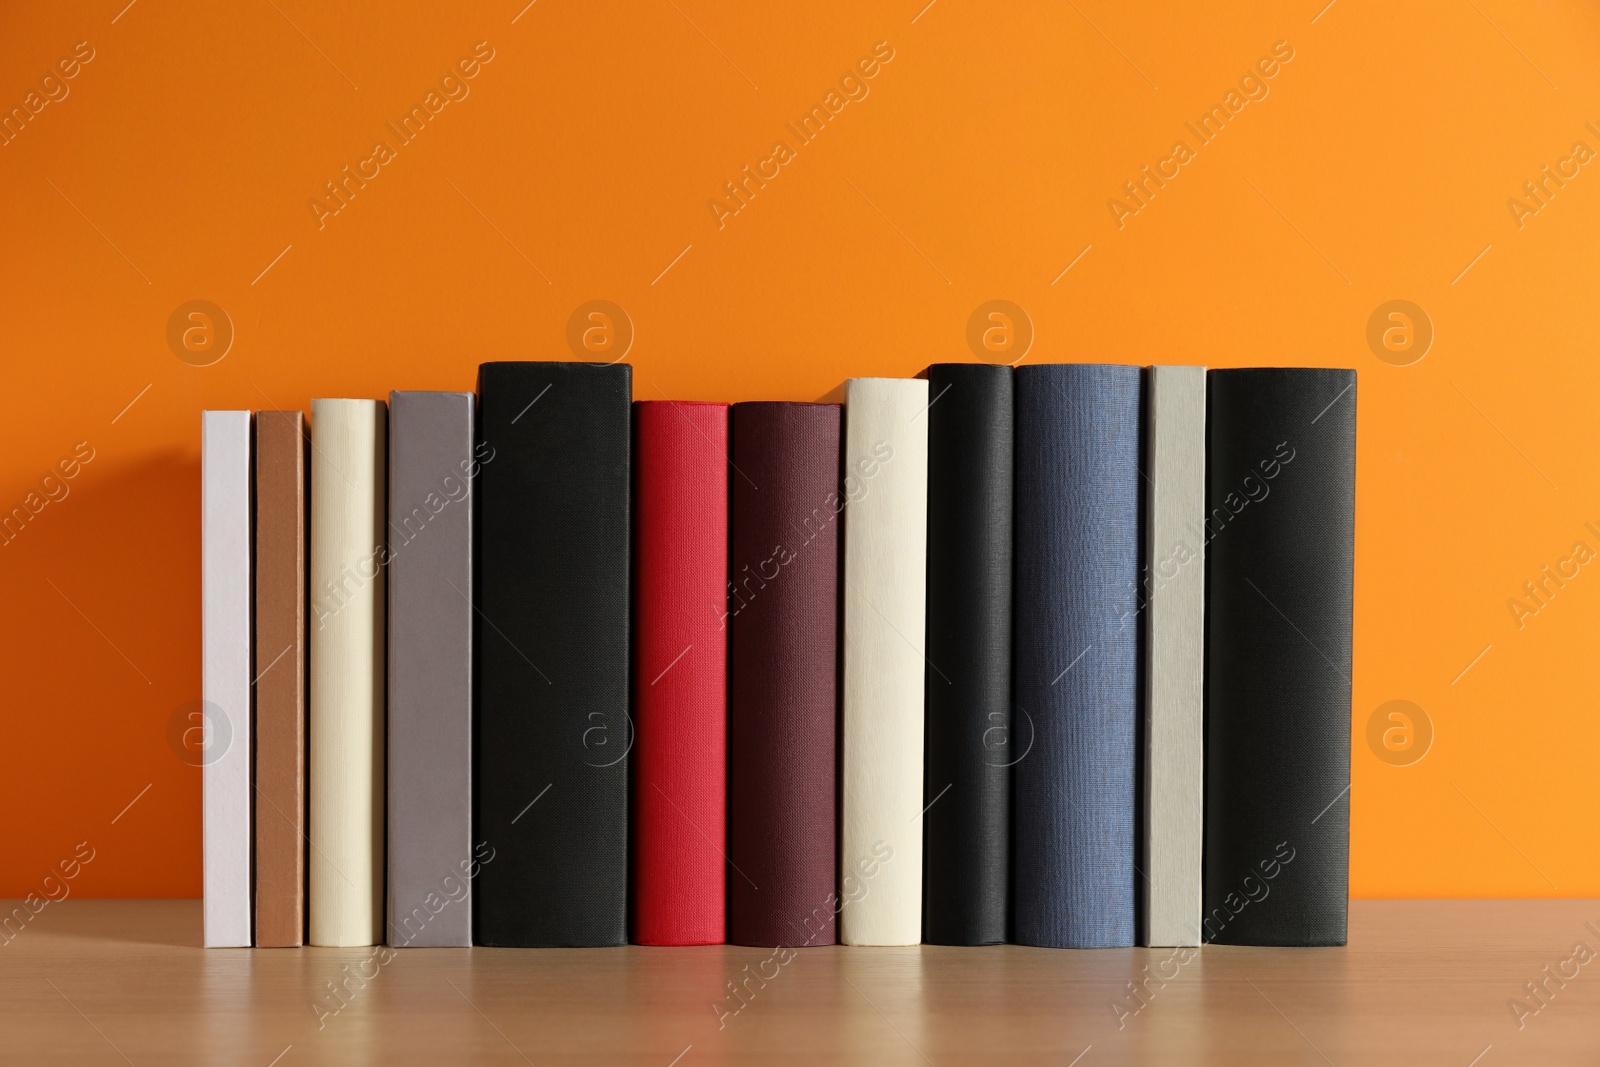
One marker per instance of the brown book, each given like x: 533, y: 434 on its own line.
x: 280, y: 617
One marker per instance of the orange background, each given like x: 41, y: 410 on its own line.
x: 979, y: 166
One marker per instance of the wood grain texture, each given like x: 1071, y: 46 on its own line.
x: 1421, y: 984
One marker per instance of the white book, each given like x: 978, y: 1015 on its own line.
x: 225, y: 551
x: 1173, y: 599
x: 346, y: 747
x: 885, y: 608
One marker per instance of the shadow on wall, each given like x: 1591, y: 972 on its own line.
x: 101, y: 628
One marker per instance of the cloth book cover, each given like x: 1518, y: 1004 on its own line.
x: 553, y: 728
x: 346, y: 746
x: 785, y: 504
x: 280, y: 619
x: 1076, y: 640
x: 225, y: 720
x: 969, y: 728
x: 885, y: 574
x: 1280, y: 566
x: 680, y: 669
x: 433, y: 467
x: 1172, y: 610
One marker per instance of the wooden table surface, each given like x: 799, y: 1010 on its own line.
x: 1421, y: 983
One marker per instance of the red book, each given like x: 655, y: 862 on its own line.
x: 680, y: 672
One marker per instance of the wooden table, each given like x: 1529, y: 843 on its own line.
x: 1421, y: 983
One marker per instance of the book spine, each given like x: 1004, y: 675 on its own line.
x: 1172, y: 603
x: 226, y: 659
x: 553, y: 728
x: 432, y: 468
x: 885, y: 621
x: 967, y: 787
x: 680, y: 672
x: 280, y: 618
x: 1280, y: 559
x: 782, y: 615
x: 1077, y: 676
x: 346, y: 757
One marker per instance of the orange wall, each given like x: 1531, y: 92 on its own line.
x: 185, y: 155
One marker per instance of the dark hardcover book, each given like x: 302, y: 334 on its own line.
x: 551, y: 769
x: 1077, y: 497
x: 967, y: 786
x: 1280, y: 578
x: 782, y: 609
x: 431, y: 474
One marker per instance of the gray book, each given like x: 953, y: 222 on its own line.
x: 432, y: 467
x: 1172, y: 602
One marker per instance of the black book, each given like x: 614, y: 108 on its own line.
x: 968, y: 731
x: 1280, y: 565
x: 550, y: 778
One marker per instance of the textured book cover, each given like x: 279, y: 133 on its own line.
x: 553, y: 728
x: 885, y: 573
x: 346, y: 750
x: 432, y: 471
x: 225, y: 684
x: 782, y: 610
x: 1172, y: 607
x: 1076, y: 653
x: 1280, y: 566
x: 280, y: 618
x: 967, y: 785
x: 680, y: 670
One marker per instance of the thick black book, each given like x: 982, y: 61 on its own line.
x: 1280, y: 566
x: 1077, y: 516
x: 552, y: 727
x: 968, y: 731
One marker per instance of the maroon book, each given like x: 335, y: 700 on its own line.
x: 783, y: 657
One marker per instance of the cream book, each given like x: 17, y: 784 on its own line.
x: 346, y: 748
x: 885, y: 502
x: 1173, y: 601
x: 225, y: 677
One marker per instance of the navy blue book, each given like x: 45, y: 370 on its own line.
x: 1075, y: 725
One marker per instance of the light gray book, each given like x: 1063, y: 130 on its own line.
x: 1173, y: 601
x: 225, y: 548
x: 432, y: 467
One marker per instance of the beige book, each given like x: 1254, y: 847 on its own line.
x: 346, y: 748
x: 885, y: 608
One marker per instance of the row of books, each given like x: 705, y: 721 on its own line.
x: 1057, y: 655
